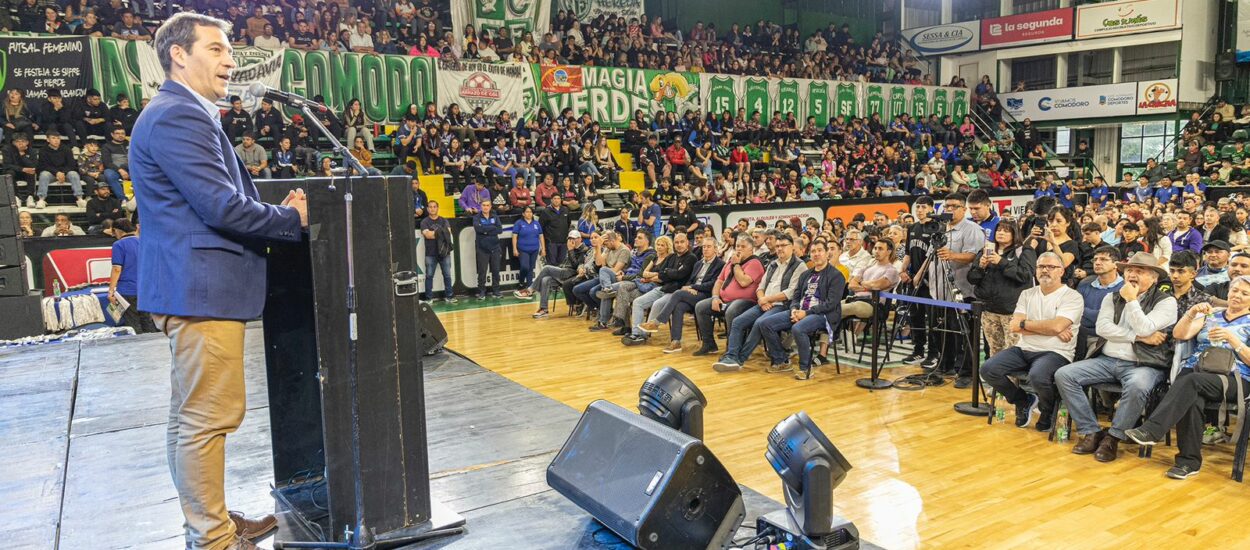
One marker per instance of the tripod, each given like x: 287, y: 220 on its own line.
x: 932, y: 378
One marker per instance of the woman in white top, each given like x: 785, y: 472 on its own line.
x: 1160, y: 245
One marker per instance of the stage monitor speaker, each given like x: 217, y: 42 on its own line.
x: 23, y: 316
x: 10, y: 251
x: 652, y: 485
x: 12, y: 281
x: 1225, y: 66
x: 8, y: 219
x: 430, y: 330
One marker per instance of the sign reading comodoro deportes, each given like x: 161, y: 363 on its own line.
x: 943, y: 39
x: 1027, y: 28
x: 1130, y: 16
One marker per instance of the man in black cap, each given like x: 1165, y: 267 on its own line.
x: 1214, y: 264
x: 268, y: 122
x: 55, y: 116
x: 94, y: 119
x: 236, y: 120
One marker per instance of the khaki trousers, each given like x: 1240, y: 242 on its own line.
x: 997, y: 330
x: 207, y: 402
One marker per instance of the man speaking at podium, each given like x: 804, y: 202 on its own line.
x: 203, y: 270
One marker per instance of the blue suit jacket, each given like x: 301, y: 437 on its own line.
x: 204, y: 227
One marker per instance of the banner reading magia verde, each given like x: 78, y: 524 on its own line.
x: 612, y: 94
x: 494, y: 87
x: 34, y: 64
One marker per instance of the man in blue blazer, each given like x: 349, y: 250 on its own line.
x: 203, y: 270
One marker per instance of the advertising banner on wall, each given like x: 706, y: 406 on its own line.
x: 34, y: 64
x: 1243, y: 31
x: 944, y: 39
x: 1027, y: 28
x: 491, y: 15
x: 612, y: 94
x: 585, y: 10
x: 494, y: 87
x: 1067, y: 103
x: 1130, y: 16
x: 1156, y: 96
x: 384, y: 84
x: 561, y: 79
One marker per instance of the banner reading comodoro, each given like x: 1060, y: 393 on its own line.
x: 384, y: 84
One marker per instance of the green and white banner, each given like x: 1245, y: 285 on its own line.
x: 821, y: 99
x: 585, y: 10
x: 495, y: 87
x: 384, y: 84
x: 491, y: 15
x: 891, y: 100
x: 612, y: 94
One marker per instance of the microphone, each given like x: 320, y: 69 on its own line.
x: 286, y: 98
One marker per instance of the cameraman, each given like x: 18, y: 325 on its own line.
x: 963, y: 239
x: 919, y: 240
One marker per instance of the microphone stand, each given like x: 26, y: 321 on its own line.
x: 357, y: 537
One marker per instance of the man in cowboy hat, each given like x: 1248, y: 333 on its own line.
x: 1134, y: 348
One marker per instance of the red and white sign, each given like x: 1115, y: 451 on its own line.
x: 1156, y: 96
x: 1027, y: 28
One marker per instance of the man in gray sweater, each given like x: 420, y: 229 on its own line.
x: 254, y: 157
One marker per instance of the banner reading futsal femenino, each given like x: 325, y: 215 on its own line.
x: 612, y: 94
x: 35, y: 64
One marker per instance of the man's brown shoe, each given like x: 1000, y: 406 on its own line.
x: 1089, y: 443
x: 1108, y: 449
x: 253, y: 529
x: 241, y: 543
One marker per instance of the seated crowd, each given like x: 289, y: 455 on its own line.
x: 1117, y: 293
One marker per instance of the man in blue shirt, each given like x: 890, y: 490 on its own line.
x: 1104, y: 280
x: 1044, y: 190
x: 983, y: 213
x: 124, y: 280
x: 649, y: 215
x: 1063, y: 192
x: 1142, y: 192
x: 1166, y: 192
x: 1099, y: 192
x: 503, y: 160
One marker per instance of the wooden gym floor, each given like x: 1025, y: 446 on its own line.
x: 924, y: 476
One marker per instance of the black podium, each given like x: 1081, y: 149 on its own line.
x: 306, y: 353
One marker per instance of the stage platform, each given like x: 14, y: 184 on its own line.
x: 82, y: 428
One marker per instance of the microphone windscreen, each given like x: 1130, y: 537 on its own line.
x: 257, y: 89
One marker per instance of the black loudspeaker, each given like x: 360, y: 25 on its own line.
x: 6, y: 189
x: 1226, y: 66
x: 10, y: 251
x: 12, y: 281
x: 430, y: 330
x: 8, y: 219
x: 23, y: 315
x: 652, y: 485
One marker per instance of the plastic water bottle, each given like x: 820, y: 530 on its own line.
x: 1210, y: 323
x: 1000, y: 412
x: 56, y: 288
x: 1061, y: 426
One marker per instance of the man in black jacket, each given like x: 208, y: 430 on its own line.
x: 21, y: 162
x: 236, y: 120
x: 116, y: 156
x: 55, y: 116
x: 816, y: 306
x: 672, y: 307
x: 555, y: 221
x: 93, y: 117
x: 102, y: 206
x: 56, y: 161
x: 268, y: 121
x: 669, y: 275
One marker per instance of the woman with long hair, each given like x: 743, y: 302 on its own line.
x: 1154, y: 235
x: 588, y: 223
x: 1060, y: 235
x: 357, y: 124
x: 17, y: 117
x: 1000, y: 273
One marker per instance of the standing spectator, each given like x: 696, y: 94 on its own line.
x: 527, y: 245
x: 1001, y: 272
x: 124, y: 279
x: 438, y: 250
x: 487, y: 227
x: 56, y: 162
x: 649, y: 215
x: 555, y: 225
x: 420, y: 201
